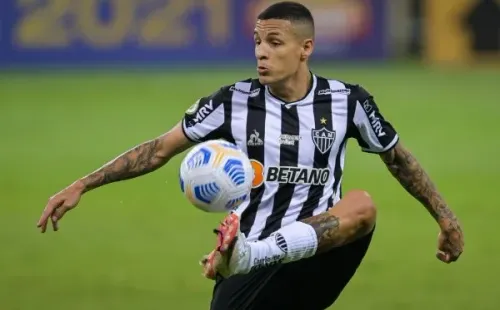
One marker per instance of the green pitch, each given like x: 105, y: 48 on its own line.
x: 136, y: 244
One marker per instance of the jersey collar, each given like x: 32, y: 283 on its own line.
x: 308, y: 99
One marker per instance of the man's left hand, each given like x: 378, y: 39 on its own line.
x: 450, y: 242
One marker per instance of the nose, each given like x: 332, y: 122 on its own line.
x: 260, y: 52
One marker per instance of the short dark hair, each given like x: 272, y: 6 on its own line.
x: 288, y: 10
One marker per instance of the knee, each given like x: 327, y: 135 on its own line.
x: 363, y: 208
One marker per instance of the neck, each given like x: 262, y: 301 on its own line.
x: 293, y: 88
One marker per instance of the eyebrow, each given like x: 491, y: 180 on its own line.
x: 272, y: 33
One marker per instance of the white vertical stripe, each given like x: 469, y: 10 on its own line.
x: 343, y: 151
x: 339, y: 125
x: 306, y: 160
x: 239, y: 114
x: 271, y: 158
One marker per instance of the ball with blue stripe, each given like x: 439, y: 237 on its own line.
x: 216, y: 176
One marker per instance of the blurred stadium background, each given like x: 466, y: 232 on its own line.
x: 82, y: 81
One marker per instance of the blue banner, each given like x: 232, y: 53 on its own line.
x: 71, y: 32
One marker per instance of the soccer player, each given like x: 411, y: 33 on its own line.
x: 297, y: 241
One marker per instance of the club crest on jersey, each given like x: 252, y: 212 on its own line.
x: 323, y: 139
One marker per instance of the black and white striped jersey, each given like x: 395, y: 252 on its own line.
x: 297, y: 149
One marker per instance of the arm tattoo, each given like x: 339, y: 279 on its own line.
x: 410, y: 174
x: 140, y: 160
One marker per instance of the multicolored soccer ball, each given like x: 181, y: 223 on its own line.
x: 216, y: 176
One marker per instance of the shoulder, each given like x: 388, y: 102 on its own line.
x: 354, y: 90
x: 237, y: 94
x: 224, y: 96
x: 246, y: 87
x: 358, y: 92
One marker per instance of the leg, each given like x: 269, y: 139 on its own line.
x: 240, y: 291
x: 298, y: 285
x: 350, y: 219
x: 338, y: 268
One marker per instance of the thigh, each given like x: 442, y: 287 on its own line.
x: 326, y: 276
x: 314, y: 283
x: 241, y: 291
x: 310, y: 284
x: 267, y: 289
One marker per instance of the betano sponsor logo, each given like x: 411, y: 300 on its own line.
x: 290, y: 175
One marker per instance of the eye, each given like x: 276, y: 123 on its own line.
x: 256, y: 41
x: 276, y: 43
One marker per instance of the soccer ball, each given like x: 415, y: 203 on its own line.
x: 216, y: 176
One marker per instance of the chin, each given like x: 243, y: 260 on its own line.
x: 264, y: 80
x: 267, y: 80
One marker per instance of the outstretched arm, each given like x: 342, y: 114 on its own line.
x: 139, y: 160
x: 146, y: 157
x: 357, y: 213
x: 376, y: 135
x: 410, y: 174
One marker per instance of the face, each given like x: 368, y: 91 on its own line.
x: 279, y: 50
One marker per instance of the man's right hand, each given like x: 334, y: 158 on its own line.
x: 59, y: 204
x: 142, y: 159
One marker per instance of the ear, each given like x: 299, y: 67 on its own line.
x: 307, y: 49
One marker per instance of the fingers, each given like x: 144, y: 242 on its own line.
x: 450, y: 246
x: 54, y: 220
x: 42, y: 222
x: 57, y: 216
x: 447, y: 257
x: 54, y: 211
x: 444, y: 257
x: 47, y: 212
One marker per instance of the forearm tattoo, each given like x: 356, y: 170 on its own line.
x: 410, y: 174
x: 135, y: 162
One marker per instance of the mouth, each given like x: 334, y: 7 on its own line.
x: 262, y: 70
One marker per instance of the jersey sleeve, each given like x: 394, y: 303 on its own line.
x: 372, y: 131
x: 206, y: 118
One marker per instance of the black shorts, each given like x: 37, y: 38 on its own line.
x: 310, y: 284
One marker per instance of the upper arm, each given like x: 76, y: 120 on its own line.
x: 204, y: 120
x: 173, y: 142
x: 373, y: 132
